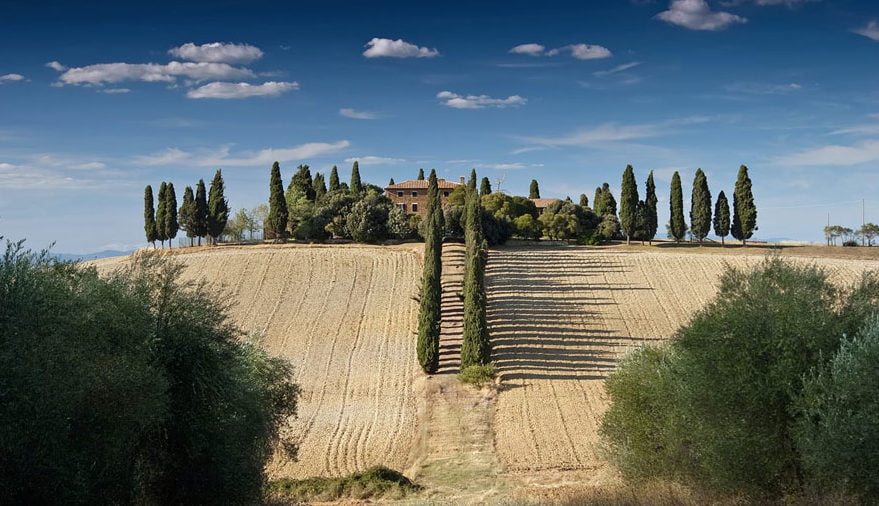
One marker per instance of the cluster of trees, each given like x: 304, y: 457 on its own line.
x: 866, y: 234
x: 131, y: 388
x: 769, y: 390
x: 200, y: 215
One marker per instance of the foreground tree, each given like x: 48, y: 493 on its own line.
x: 334, y: 179
x: 171, y: 225
x: 218, y: 207
x: 534, y: 190
x: 201, y: 211
x: 475, y: 348
x: 186, y: 214
x: 628, y: 203
x: 700, y: 207
x: 744, y: 221
x: 356, y: 185
x: 721, y: 217
x: 677, y: 227
x: 651, y: 217
x: 276, y: 222
x: 149, y: 216
x: 431, y: 289
x: 162, y: 214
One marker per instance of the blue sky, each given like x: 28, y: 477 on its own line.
x: 98, y: 101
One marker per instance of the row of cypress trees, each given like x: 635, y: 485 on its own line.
x: 199, y: 215
x: 475, y: 348
x: 429, y: 312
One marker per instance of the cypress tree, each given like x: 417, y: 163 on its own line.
x: 187, y: 213
x: 607, y: 198
x: 651, y: 218
x: 431, y: 289
x: 598, y: 206
x: 677, y: 227
x: 200, y: 219
x: 218, y: 207
x: 534, y: 190
x: 276, y: 223
x: 334, y: 179
x: 301, y: 183
x: 171, y: 224
x: 721, y: 217
x: 700, y: 207
x: 355, y: 185
x: 149, y: 216
x: 744, y: 221
x: 320, y: 186
x: 161, y: 214
x: 475, y: 348
x: 628, y: 203
x: 421, y: 174
x: 391, y: 182
x: 584, y: 200
x: 484, y: 187
x: 472, y: 182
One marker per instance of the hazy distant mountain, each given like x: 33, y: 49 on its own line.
x: 91, y: 256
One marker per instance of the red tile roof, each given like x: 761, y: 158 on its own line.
x: 543, y: 203
x: 417, y: 184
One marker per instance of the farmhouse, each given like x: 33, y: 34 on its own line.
x: 542, y: 204
x: 411, y: 196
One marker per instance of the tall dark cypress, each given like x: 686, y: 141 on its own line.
x: 320, y: 186
x: 651, y: 217
x: 334, y: 179
x: 391, y: 182
x: 356, y: 186
x: 186, y: 214
x: 677, y: 227
x: 200, y: 220
x: 584, y: 200
x: 484, y: 187
x: 171, y: 224
x: 149, y: 216
x: 218, y: 207
x: 431, y: 288
x: 598, y: 203
x: 744, y: 221
x: 534, y: 190
x: 700, y: 207
x: 421, y: 174
x: 628, y: 203
x: 475, y: 348
x: 276, y: 223
x: 721, y: 217
x: 610, y: 203
x: 161, y: 214
x: 301, y: 183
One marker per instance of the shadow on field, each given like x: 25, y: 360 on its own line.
x: 544, y: 315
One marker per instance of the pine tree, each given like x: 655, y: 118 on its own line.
x: 276, y: 223
x: 534, y: 190
x: 186, y: 214
x: 355, y: 185
x: 391, y: 182
x: 721, y: 217
x: 200, y: 220
x: 700, y: 207
x: 744, y: 221
x: 421, y: 174
x: 301, y: 183
x: 484, y: 187
x: 149, y: 216
x: 218, y: 207
x: 171, y: 224
x: 628, y: 203
x: 677, y: 227
x: 161, y: 214
x: 320, y: 186
x: 334, y: 179
x: 584, y: 200
x: 475, y: 348
x: 651, y: 217
x: 431, y: 289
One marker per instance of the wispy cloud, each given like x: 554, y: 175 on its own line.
x: 115, y: 90
x: 583, y: 51
x: 49, y: 171
x: 763, y: 88
x: 697, y: 15
x: 619, y: 68
x: 871, y: 30
x: 374, y: 160
x: 242, y: 90
x: 866, y: 129
x: 388, y: 48
x: 613, y: 132
x: 355, y: 114
x: 456, y: 101
x: 54, y: 65
x: 6, y: 78
x: 167, y: 156
x: 834, y: 155
x: 103, y: 73
x: 530, y: 49
x: 265, y: 157
x: 217, y: 52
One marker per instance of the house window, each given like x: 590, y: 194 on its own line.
x: 414, y: 194
x: 414, y: 208
x: 402, y: 206
x: 399, y: 194
x: 445, y: 194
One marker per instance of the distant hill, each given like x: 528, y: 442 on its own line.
x: 92, y: 256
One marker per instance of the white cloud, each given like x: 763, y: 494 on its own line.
x: 835, y: 155
x: 529, y: 49
x: 378, y: 47
x: 617, y: 69
x: 697, y: 15
x: 456, y: 101
x: 167, y: 156
x: 267, y: 156
x: 374, y: 160
x: 45, y: 171
x: 54, y: 65
x: 354, y: 114
x: 583, y: 51
x: 242, y: 90
x: 217, y: 52
x: 115, y: 90
x: 102, y: 73
x: 612, y: 132
x: 789, y: 3
x: 763, y: 89
x: 871, y: 30
x: 11, y: 77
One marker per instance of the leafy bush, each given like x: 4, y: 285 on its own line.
x: 478, y: 374
x: 374, y: 483
x: 368, y: 220
x: 850, y: 244
x: 590, y: 238
x: 527, y: 227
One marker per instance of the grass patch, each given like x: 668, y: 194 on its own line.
x: 478, y: 375
x: 375, y: 482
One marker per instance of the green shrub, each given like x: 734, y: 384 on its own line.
x: 375, y: 483
x: 478, y: 374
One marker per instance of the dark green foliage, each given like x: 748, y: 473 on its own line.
x: 700, y: 207
x: 584, y: 200
x: 421, y: 174
x: 527, y: 227
x: 301, y: 184
x: 218, y: 207
x: 475, y: 348
x: 716, y: 407
x: 186, y: 213
x: 320, y: 186
x: 838, y: 434
x: 171, y: 224
x: 604, y: 203
x: 677, y: 227
x: 334, y: 179
x: 149, y: 216
x: 131, y: 388
x: 471, y: 183
x: 597, y: 202
x: 276, y: 223
x: 484, y: 187
x: 650, y: 215
x: 368, y: 219
x: 356, y: 185
x: 534, y: 190
x: 200, y: 223
x: 454, y: 221
x: 375, y: 483
x: 391, y: 182
x: 628, y: 203
x: 721, y: 217
x: 162, y: 214
x: 565, y: 220
x: 401, y: 225
x: 744, y: 221
x: 478, y: 374
x: 503, y: 205
x: 431, y: 289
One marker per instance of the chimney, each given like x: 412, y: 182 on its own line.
x: 462, y: 180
